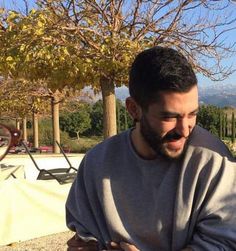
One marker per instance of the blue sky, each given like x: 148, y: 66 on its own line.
x: 12, y: 4
x: 231, y: 38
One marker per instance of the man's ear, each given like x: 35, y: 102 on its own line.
x: 134, y: 109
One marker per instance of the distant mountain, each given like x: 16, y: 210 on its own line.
x: 215, y: 94
x: 218, y: 94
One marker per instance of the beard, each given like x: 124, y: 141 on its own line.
x: 158, y: 143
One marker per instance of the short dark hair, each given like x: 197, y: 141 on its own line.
x: 159, y: 69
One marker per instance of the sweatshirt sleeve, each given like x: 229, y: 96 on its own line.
x: 216, y: 223
x: 79, y: 213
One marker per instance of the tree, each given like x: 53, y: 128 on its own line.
x: 19, y: 99
x: 27, y: 53
x: 81, y: 42
x: 209, y: 117
x: 233, y: 128
x: 77, y: 122
x: 221, y: 129
x: 108, y: 34
x: 124, y: 121
x: 226, y: 124
x: 13, y: 103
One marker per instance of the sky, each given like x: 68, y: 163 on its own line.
x: 231, y: 38
x: 18, y: 4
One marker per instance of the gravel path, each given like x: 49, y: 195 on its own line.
x: 54, y: 242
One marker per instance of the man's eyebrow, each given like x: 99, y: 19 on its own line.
x: 166, y: 113
x: 195, y: 111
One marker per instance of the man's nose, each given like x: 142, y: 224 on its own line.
x: 183, y: 127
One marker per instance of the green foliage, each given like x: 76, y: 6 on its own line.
x: 88, y: 119
x: 233, y: 125
x: 209, y: 117
x: 94, y: 112
x: 224, y: 124
x: 84, y: 144
x: 124, y: 121
x: 76, y: 122
x: 45, y: 132
x: 96, y: 116
x: 221, y: 129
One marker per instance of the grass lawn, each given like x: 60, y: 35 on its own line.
x: 83, y: 144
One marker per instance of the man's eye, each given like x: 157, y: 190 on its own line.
x: 168, y: 118
x: 192, y: 115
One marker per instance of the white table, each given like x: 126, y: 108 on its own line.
x: 11, y: 171
x: 31, y: 209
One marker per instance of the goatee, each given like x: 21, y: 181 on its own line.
x: 157, y: 143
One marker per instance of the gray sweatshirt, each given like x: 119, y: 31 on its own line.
x: 156, y: 204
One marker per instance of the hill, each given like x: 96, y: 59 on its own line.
x: 217, y: 94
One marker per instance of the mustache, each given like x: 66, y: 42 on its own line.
x: 172, y: 136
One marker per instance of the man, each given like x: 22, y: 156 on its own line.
x: 166, y: 184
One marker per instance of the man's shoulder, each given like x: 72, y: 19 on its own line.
x: 109, y: 147
x: 205, y: 141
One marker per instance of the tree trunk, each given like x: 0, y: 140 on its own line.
x: 17, y: 124
x: 25, y: 129
x: 35, y: 129
x: 109, y: 108
x: 78, y: 137
x: 55, y: 124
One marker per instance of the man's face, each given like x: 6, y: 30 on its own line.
x: 167, y: 124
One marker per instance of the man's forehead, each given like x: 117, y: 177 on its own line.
x: 173, y: 101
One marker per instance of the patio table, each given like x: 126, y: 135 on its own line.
x: 11, y: 171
